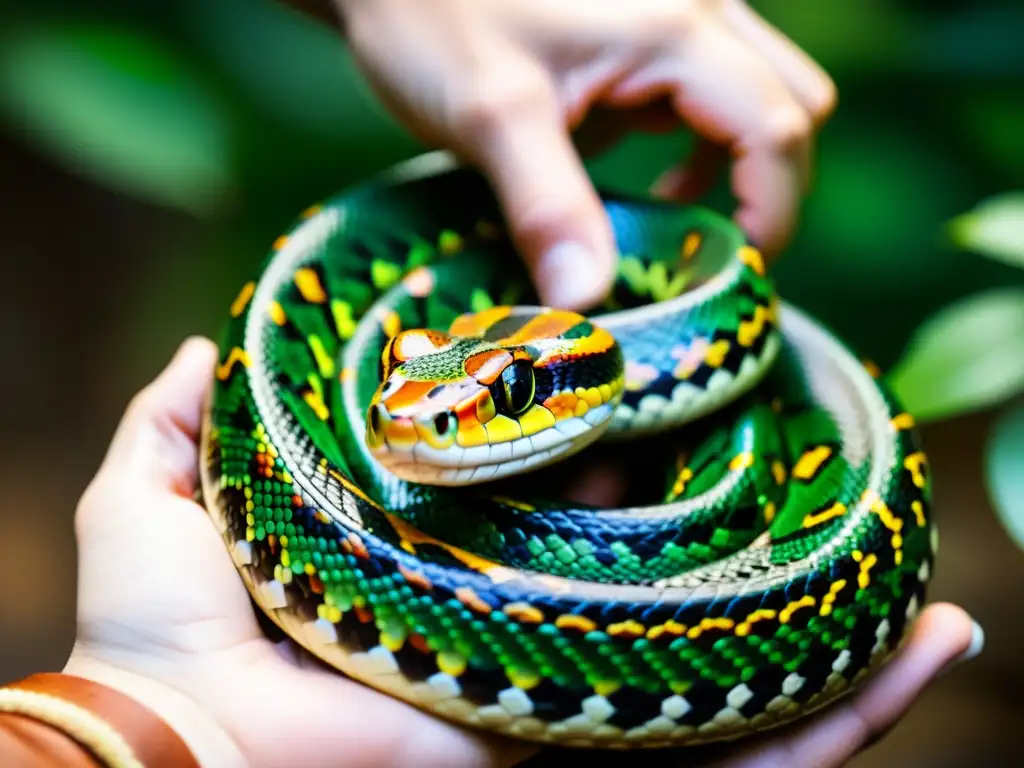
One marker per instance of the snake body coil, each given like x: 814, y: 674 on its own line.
x: 389, y: 359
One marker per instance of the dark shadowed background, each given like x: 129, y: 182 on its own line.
x: 150, y: 153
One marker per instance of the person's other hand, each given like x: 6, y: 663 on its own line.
x: 164, y: 617
x: 502, y: 83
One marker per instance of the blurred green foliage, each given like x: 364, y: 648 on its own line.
x: 235, y: 114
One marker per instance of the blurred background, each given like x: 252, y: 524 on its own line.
x: 151, y: 152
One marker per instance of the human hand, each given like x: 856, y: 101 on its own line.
x: 503, y: 82
x: 164, y: 617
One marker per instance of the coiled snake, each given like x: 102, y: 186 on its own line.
x: 778, y: 564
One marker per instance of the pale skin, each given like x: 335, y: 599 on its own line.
x: 164, y: 617
x: 162, y: 613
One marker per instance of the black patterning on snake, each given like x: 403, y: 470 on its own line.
x: 389, y: 359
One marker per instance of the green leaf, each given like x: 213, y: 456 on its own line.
x: 995, y: 228
x: 966, y: 357
x: 1003, y: 474
x: 120, y: 109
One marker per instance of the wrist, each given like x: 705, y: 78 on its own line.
x: 208, y: 741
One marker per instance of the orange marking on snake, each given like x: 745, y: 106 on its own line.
x: 475, y: 324
x: 487, y: 366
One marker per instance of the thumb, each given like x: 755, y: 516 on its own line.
x: 555, y: 216
x: 155, y: 443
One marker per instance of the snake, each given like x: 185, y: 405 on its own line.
x: 395, y: 419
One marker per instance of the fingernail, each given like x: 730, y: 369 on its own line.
x: 976, y: 646
x: 973, y: 650
x: 570, y: 276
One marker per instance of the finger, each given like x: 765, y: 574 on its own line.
x: 810, y: 84
x: 692, y: 179
x: 518, y: 137
x: 942, y: 635
x: 156, y: 439
x: 735, y: 99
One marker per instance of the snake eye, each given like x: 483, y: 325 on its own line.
x: 513, y: 392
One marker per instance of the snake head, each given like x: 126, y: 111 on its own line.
x: 505, y: 391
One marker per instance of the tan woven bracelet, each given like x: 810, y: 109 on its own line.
x: 80, y: 724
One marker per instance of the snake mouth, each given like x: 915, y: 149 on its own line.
x: 456, y: 465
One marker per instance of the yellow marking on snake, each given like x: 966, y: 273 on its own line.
x: 902, y: 422
x: 691, y: 243
x: 324, y: 362
x: 828, y: 600
x: 761, y: 614
x: 451, y: 663
x: 308, y: 283
x: 522, y: 678
x: 344, y: 320
x: 685, y: 476
x: 811, y: 462
x: 709, y: 623
x: 514, y: 503
x: 412, y: 536
x: 752, y: 258
x: 866, y: 564
x: 236, y: 355
x: 915, y: 464
x: 242, y: 300
x: 575, y: 621
x: 918, y: 508
x: 872, y: 368
x: 280, y: 242
x: 787, y: 613
x: 276, y: 313
x: 751, y: 330
x: 715, y: 354
x: 741, y: 461
x: 889, y: 520
x: 628, y: 628
x: 536, y: 419
x: 670, y: 627
x: 816, y: 518
x: 391, y: 324
x: 524, y: 612
x: 315, y: 401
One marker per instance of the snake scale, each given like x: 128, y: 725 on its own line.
x: 390, y: 357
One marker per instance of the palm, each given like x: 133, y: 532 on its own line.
x: 159, y: 597
x: 182, y: 616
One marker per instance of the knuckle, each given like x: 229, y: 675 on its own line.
x: 823, y: 99
x: 485, y: 104
x: 787, y: 127
x: 141, y: 404
x: 542, y: 218
x: 675, y: 21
